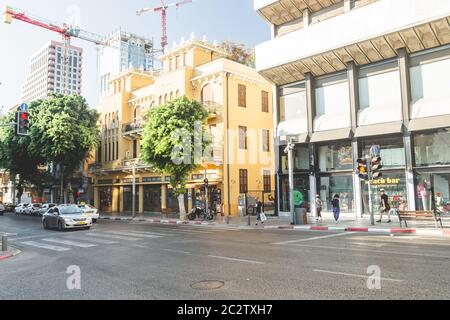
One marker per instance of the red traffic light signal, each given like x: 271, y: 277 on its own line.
x: 376, y: 167
x: 23, y: 123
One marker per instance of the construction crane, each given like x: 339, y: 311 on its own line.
x: 163, y: 11
x: 67, y: 32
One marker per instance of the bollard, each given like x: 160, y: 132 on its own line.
x: 4, y: 243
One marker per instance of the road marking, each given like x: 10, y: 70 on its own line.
x: 122, y: 233
x: 235, y: 259
x: 177, y: 251
x: 376, y: 245
x: 101, y: 241
x: 45, y: 246
x: 111, y: 236
x: 315, y: 238
x: 70, y: 243
x: 139, y: 246
x: 25, y: 238
x: 355, y: 275
x: 151, y: 233
x: 373, y: 251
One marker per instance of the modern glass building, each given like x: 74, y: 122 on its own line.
x: 350, y: 74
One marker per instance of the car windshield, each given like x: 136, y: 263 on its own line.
x: 70, y: 210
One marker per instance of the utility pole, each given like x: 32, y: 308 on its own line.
x: 133, y: 202
x: 290, y: 152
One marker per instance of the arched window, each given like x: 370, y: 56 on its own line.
x: 137, y: 113
x: 165, y: 98
x: 177, y: 94
x: 171, y: 96
x: 160, y: 100
x: 208, y: 94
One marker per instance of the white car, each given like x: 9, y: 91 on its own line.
x: 90, y: 210
x: 32, y: 209
x: 19, y: 209
x: 65, y: 217
x: 45, y: 208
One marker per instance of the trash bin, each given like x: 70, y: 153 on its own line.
x: 301, y: 216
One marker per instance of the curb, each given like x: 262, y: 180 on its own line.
x: 10, y: 254
x: 439, y: 232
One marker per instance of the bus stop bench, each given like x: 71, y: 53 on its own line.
x: 404, y: 216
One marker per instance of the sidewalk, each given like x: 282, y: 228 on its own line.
x: 12, y: 252
x: 347, y: 222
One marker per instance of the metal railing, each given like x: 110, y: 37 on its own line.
x: 133, y: 127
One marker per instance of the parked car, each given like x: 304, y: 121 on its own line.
x: 45, y: 208
x: 65, y: 217
x: 90, y: 210
x: 19, y: 209
x: 2, y: 209
x: 33, y: 209
x: 9, y: 207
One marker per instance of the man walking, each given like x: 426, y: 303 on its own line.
x: 258, y: 207
x: 385, y: 207
x: 319, y: 205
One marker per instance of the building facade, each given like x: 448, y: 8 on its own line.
x: 241, y: 123
x: 350, y: 74
x: 46, y: 70
x: 125, y: 50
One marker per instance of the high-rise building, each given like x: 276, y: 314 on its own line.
x: 125, y: 50
x: 350, y: 74
x: 45, y: 75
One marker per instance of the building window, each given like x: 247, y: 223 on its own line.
x: 432, y: 148
x: 266, y: 140
x: 243, y: 181
x: 332, y: 103
x: 242, y: 138
x: 335, y: 157
x: 379, y: 94
x: 267, y: 177
x: 392, y: 150
x: 301, y: 159
x: 242, y: 96
x: 265, y: 101
x: 429, y: 84
x: 337, y: 185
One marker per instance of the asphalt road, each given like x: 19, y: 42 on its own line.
x: 125, y: 260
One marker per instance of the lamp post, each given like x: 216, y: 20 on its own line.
x: 133, y: 189
x: 290, y: 151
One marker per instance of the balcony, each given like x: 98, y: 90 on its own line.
x: 139, y: 166
x: 213, y: 109
x: 364, y: 35
x: 132, y: 130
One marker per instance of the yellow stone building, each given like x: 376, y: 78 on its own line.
x: 240, y: 121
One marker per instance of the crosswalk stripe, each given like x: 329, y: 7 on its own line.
x: 122, y: 233
x: 101, y: 241
x: 45, y: 246
x: 70, y: 243
x: 112, y: 236
x: 151, y: 233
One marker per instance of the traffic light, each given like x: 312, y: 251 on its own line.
x: 362, y: 170
x: 376, y: 167
x: 23, y: 123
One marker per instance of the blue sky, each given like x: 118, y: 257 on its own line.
x: 217, y: 19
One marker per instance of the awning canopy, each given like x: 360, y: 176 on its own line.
x: 379, y: 129
x: 429, y: 123
x: 331, y: 135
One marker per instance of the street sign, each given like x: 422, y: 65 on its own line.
x: 375, y: 151
x: 23, y: 107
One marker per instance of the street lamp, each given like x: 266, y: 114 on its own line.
x: 290, y: 152
x: 133, y: 190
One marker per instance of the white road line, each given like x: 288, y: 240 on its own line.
x: 176, y: 251
x: 45, y: 246
x: 130, y: 234
x: 235, y: 259
x: 101, y: 241
x: 376, y: 245
x: 315, y: 238
x: 111, y: 236
x: 70, y: 243
x: 151, y: 233
x: 373, y: 251
x: 354, y: 275
x: 25, y: 238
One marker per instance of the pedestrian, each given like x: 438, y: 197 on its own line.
x: 258, y: 207
x: 385, y: 207
x: 336, y: 207
x: 319, y: 205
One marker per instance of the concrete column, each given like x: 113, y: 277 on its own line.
x: 141, y: 199
x: 403, y: 65
x: 163, y: 196
x: 312, y: 179
x: 352, y: 75
x: 306, y: 18
x: 357, y: 190
x: 410, y: 185
x: 96, y: 197
x: 276, y: 153
x: 120, y: 199
x: 115, y: 199
x: 310, y: 101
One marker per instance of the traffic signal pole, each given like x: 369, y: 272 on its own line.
x: 369, y: 184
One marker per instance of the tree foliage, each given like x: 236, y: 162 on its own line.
x: 238, y: 52
x: 171, y: 144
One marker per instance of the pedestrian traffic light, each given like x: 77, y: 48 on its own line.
x: 376, y: 167
x: 362, y: 170
x: 23, y: 123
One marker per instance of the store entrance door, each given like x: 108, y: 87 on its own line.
x: 433, y: 191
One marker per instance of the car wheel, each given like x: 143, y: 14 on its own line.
x: 60, y: 226
x: 94, y: 220
x: 44, y: 224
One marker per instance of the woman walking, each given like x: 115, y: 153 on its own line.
x: 319, y: 205
x: 336, y: 207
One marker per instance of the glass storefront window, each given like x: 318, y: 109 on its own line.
x: 432, y: 148
x: 433, y: 191
x: 301, y: 184
x: 335, y: 157
x: 293, y: 117
x: 301, y: 158
x: 395, y: 186
x: 392, y: 150
x: 340, y: 185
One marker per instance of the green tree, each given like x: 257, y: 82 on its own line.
x: 175, y: 142
x: 238, y: 52
x: 63, y: 132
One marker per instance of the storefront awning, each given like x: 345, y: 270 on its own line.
x: 429, y: 123
x: 379, y: 129
x: 331, y: 135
